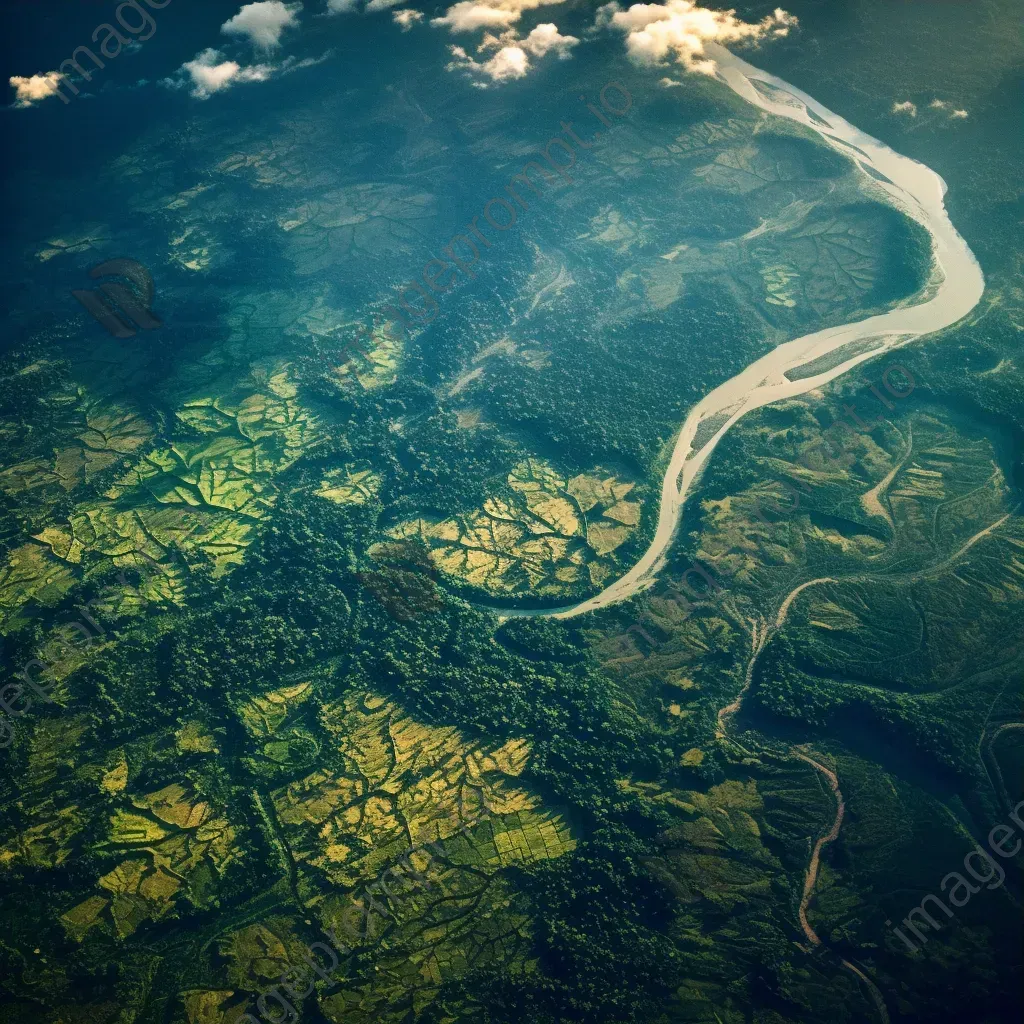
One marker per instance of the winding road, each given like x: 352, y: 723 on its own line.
x: 954, y: 290
x: 811, y: 879
x: 761, y: 633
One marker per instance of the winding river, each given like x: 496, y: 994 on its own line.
x: 955, y: 289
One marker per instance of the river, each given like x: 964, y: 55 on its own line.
x: 955, y: 289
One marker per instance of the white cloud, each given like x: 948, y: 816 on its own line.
x: 208, y: 73
x: 407, y: 18
x: 679, y: 29
x: 956, y: 114
x: 545, y: 38
x: 603, y: 16
x: 906, y: 107
x: 35, y: 88
x: 471, y: 15
x: 290, y: 64
x: 508, y: 63
x: 512, y: 55
x: 375, y: 7
x: 263, y: 22
x: 668, y: 83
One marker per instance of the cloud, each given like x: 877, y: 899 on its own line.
x: 603, y: 16
x: 511, y: 59
x: 508, y: 63
x: 545, y: 38
x: 407, y: 18
x: 679, y: 29
x: 937, y: 104
x: 374, y: 7
x: 286, y: 67
x: 263, y: 22
x: 906, y: 107
x: 208, y: 73
x: 35, y: 88
x: 471, y: 16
